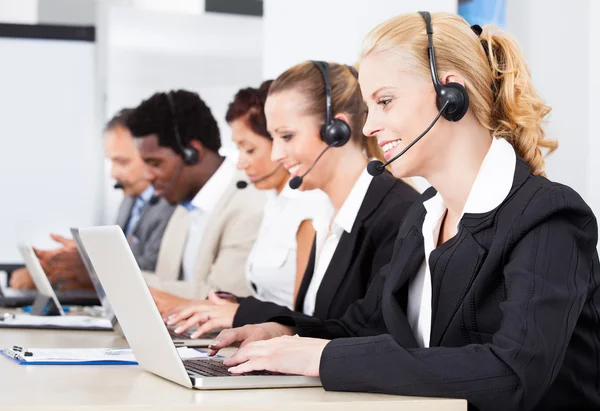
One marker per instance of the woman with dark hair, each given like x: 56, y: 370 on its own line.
x: 280, y: 254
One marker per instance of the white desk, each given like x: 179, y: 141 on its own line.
x: 121, y: 387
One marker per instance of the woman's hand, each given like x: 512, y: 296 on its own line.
x: 215, y: 313
x: 288, y: 355
x: 248, y: 334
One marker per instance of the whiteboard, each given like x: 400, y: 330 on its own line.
x: 50, y: 151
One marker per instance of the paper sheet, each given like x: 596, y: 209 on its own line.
x: 77, y: 355
x: 59, y: 320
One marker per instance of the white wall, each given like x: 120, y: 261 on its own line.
x: 153, y: 51
x: 19, y: 11
x: 592, y: 192
x: 49, y: 151
x: 146, y: 51
x: 182, y: 6
x: 82, y: 12
x: 76, y: 12
x: 562, y: 46
x: 297, y: 30
x: 561, y: 75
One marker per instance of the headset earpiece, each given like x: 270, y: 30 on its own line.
x: 335, y: 132
x: 190, y: 155
x: 452, y: 93
x: 458, y: 101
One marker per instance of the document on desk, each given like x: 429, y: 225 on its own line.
x: 84, y: 356
x: 57, y: 321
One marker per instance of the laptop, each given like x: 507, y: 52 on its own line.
x: 144, y: 328
x: 183, y: 339
x: 46, y: 299
x: 12, y: 298
x: 47, y: 304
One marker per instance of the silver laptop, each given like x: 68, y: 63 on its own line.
x: 144, y: 328
x: 44, y: 288
x: 47, y: 303
x: 182, y: 339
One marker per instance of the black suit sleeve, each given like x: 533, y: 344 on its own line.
x: 548, y: 275
x: 254, y: 311
x: 364, y: 317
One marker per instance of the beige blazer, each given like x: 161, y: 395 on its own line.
x: 229, y: 234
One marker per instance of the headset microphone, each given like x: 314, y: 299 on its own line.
x: 297, y: 181
x: 243, y: 184
x: 376, y: 167
x: 118, y: 186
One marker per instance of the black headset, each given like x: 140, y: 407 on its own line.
x: 335, y: 132
x: 189, y: 154
x: 453, y: 95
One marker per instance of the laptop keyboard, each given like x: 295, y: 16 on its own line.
x: 213, y: 367
x: 187, y: 335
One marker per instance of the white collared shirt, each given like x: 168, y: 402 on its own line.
x: 328, y: 240
x: 271, y: 265
x: 492, y: 184
x: 202, y: 205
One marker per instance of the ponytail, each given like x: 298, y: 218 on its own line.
x: 518, y: 112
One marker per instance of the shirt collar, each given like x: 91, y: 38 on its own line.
x: 210, y: 194
x: 147, y: 194
x: 492, y: 184
x: 349, y: 211
x: 494, y: 179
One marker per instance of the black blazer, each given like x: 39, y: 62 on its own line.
x: 515, y: 310
x: 358, y: 256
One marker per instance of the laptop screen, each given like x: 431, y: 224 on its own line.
x: 110, y: 314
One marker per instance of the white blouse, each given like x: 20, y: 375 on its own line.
x: 328, y: 240
x: 271, y: 265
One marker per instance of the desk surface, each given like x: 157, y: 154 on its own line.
x: 114, y: 387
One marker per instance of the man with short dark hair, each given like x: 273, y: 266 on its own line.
x: 207, y: 242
